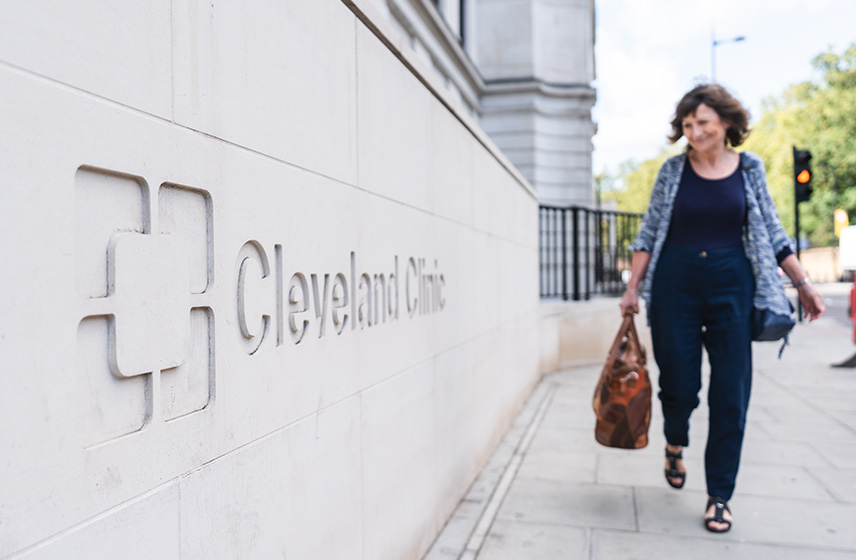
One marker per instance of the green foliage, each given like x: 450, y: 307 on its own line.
x: 818, y: 116
x: 636, y: 181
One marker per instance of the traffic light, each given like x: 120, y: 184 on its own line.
x: 802, y: 175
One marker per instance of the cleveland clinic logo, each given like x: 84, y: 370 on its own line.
x: 144, y: 262
x: 144, y: 276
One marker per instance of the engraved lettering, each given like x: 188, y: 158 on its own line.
x: 364, y: 309
x: 368, y: 299
x: 321, y: 305
x: 340, y: 302
x: 413, y: 301
x: 280, y: 330
x: 393, y: 282
x: 441, y: 299
x: 252, y: 252
x: 379, y: 308
x: 242, y: 306
x: 297, y: 304
x: 428, y: 281
x: 353, y: 291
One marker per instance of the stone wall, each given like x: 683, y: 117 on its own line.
x: 267, y: 293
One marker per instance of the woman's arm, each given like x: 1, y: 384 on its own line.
x: 645, y: 240
x: 638, y: 267
x: 811, y: 300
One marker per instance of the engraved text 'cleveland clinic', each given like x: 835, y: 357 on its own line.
x: 330, y: 300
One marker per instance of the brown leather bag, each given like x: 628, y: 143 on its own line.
x: 622, y: 398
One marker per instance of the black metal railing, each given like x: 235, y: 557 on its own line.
x: 584, y: 251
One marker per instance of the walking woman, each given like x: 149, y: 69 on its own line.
x: 708, y: 250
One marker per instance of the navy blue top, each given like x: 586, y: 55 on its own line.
x: 708, y: 213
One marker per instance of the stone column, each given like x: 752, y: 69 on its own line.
x: 537, y: 60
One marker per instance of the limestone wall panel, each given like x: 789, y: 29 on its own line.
x: 456, y: 429
x: 146, y: 528
x: 116, y: 51
x: 400, y: 480
x: 395, y: 127
x: 294, y: 494
x: 451, y: 172
x: 250, y: 75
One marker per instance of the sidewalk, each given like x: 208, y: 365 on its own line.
x: 550, y: 491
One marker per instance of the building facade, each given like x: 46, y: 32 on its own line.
x: 524, y: 69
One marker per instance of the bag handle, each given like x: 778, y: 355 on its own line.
x: 627, y: 322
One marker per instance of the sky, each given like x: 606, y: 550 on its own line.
x: 648, y: 53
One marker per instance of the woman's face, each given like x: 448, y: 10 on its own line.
x: 704, y: 130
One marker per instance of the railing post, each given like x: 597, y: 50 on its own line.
x: 576, y: 244
x: 619, y: 220
x: 541, y: 252
x: 597, y: 241
x: 564, y: 256
x: 587, y: 214
x: 557, y: 247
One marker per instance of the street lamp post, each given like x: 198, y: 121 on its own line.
x: 714, y: 42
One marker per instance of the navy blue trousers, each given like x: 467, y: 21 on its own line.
x: 704, y: 298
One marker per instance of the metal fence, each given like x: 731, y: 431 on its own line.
x: 584, y: 251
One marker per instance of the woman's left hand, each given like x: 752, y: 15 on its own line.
x: 811, y: 301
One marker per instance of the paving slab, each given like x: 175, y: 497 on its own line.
x: 781, y: 481
x: 569, y: 503
x: 840, y: 483
x: 841, y: 456
x: 798, y: 522
x: 578, y: 376
x: 812, y: 429
x: 565, y: 439
x: 642, y: 470
x: 846, y: 417
x: 757, y: 519
x: 622, y: 545
x: 511, y: 540
x: 563, y: 466
x: 560, y: 415
x: 794, y: 453
x: 452, y: 540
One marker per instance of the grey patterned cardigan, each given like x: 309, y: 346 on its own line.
x: 763, y: 236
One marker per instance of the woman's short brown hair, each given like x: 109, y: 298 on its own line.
x: 726, y: 106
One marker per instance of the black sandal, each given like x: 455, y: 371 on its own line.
x: 672, y: 472
x: 718, y: 515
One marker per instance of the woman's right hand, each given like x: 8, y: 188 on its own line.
x: 629, y: 301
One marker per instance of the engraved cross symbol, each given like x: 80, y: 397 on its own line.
x: 144, y: 269
x: 152, y: 303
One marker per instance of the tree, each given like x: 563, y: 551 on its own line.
x: 636, y: 182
